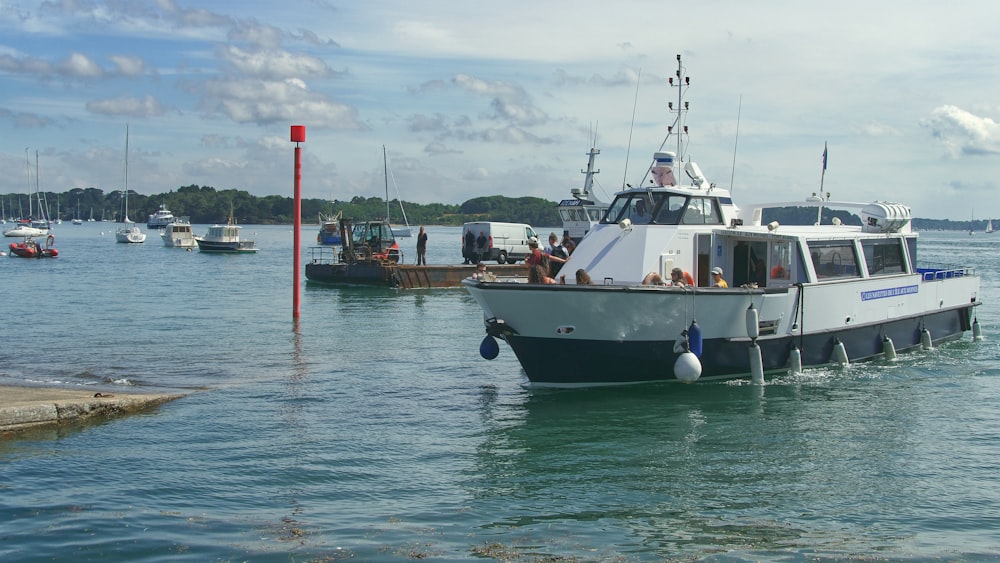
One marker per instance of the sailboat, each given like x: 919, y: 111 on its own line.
x: 76, y: 216
x: 128, y: 234
x: 31, y: 227
x: 397, y: 231
x: 989, y: 226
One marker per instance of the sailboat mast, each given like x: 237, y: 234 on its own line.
x: 125, y: 219
x: 385, y: 173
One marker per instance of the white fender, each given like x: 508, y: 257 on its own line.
x: 756, y: 365
x: 687, y: 368
x: 753, y: 324
x: 840, y: 354
x: 888, y: 349
x: 795, y: 361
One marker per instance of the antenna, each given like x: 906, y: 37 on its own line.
x: 732, y: 176
x: 635, y: 102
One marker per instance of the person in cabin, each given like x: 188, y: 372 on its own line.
x: 422, y: 247
x: 639, y: 215
x: 717, y: 280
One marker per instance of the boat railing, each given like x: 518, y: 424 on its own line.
x: 324, y: 254
x: 932, y: 274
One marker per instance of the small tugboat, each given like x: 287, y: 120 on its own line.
x: 30, y: 248
x: 810, y: 283
x: 225, y: 239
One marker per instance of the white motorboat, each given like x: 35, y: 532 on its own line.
x: 179, y: 234
x: 225, y: 239
x: 161, y: 218
x: 24, y: 229
x: 843, y: 286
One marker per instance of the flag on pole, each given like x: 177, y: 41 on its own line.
x: 824, y: 157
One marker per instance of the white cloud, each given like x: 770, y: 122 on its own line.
x: 962, y: 133
x: 127, y: 106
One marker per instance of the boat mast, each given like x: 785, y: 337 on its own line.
x: 385, y: 172
x: 125, y: 220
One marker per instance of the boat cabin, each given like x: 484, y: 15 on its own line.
x: 370, y: 240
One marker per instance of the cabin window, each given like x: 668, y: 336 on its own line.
x: 834, y: 259
x: 884, y: 257
x: 670, y: 211
x: 749, y: 264
x: 781, y: 262
x: 702, y: 211
x: 637, y: 207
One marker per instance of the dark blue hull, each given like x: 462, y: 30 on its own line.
x: 587, y: 362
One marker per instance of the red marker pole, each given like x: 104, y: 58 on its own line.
x: 298, y: 136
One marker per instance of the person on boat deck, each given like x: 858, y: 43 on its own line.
x: 568, y: 245
x: 653, y: 278
x: 481, y: 273
x: 422, y: 247
x: 582, y: 277
x: 470, y: 246
x: 481, y: 246
x: 535, y: 255
x: 639, y: 215
x: 680, y: 278
x: 717, y: 280
x: 556, y: 253
x: 537, y: 274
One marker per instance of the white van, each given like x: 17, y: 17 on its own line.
x: 505, y: 242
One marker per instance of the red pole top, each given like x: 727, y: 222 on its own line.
x: 298, y: 133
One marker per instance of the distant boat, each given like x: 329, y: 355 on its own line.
x: 31, y: 227
x: 161, y: 218
x: 225, y: 239
x: 989, y: 226
x: 397, y: 231
x: 30, y: 248
x: 179, y: 234
x: 329, y: 229
x: 582, y: 213
x: 76, y: 216
x: 128, y: 234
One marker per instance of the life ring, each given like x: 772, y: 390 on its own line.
x: 50, y: 240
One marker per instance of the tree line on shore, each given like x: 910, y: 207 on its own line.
x: 205, y: 204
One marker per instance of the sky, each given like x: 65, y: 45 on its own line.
x: 475, y: 99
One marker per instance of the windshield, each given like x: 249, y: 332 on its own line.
x: 642, y: 207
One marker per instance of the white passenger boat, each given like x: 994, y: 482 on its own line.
x: 843, y: 287
x: 178, y: 234
x: 161, y: 218
x: 584, y: 211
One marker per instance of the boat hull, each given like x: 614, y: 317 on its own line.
x: 549, y: 363
x: 612, y: 335
x: 238, y: 247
